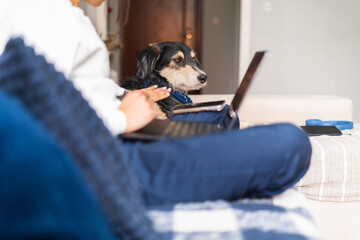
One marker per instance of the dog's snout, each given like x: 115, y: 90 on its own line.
x: 202, y: 78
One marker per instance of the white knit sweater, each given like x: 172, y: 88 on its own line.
x: 66, y: 37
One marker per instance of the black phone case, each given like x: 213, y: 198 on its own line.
x: 321, y: 130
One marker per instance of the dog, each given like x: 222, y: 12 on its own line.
x: 168, y: 64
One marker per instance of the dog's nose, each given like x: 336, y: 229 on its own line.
x: 202, y: 78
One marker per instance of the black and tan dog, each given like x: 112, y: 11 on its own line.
x: 169, y: 64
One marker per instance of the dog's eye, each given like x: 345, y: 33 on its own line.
x: 178, y: 60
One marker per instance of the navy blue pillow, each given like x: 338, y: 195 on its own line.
x: 42, y: 193
x: 54, y: 101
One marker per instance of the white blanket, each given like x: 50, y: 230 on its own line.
x: 283, y: 217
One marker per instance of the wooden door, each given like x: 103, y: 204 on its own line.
x: 152, y: 21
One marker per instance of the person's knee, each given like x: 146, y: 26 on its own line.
x: 289, y: 161
x: 296, y: 141
x: 296, y: 148
x: 287, y: 157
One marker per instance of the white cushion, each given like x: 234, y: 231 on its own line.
x: 334, y: 173
x: 263, y: 109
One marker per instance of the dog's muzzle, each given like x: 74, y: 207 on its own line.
x: 202, y: 78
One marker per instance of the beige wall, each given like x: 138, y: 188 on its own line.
x: 220, y: 45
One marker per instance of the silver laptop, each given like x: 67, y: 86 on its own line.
x: 159, y: 129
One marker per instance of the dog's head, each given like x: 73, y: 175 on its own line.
x: 174, y: 61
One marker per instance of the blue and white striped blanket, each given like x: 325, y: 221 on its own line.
x: 283, y: 217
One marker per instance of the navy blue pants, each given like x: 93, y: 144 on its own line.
x: 255, y: 162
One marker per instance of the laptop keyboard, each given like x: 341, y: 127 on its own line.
x: 184, y: 129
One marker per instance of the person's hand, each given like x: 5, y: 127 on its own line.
x: 136, y: 106
x: 155, y: 93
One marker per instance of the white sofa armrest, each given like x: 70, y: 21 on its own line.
x: 264, y: 109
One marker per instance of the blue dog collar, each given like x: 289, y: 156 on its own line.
x: 146, y: 85
x: 182, y: 97
x: 341, y: 125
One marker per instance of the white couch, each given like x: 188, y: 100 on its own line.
x: 263, y: 109
x: 336, y: 218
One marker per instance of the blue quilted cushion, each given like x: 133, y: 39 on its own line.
x: 42, y: 193
x: 54, y: 101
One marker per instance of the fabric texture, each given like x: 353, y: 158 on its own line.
x: 224, y: 165
x: 334, y: 173
x: 42, y: 192
x: 54, y: 101
x: 283, y: 217
x: 223, y: 118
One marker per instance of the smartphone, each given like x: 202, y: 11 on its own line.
x: 321, y: 130
x: 199, y: 107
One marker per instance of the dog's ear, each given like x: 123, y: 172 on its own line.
x: 147, y: 59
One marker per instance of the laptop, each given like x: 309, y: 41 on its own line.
x: 160, y: 129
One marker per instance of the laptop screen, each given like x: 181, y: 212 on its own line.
x: 244, y: 85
